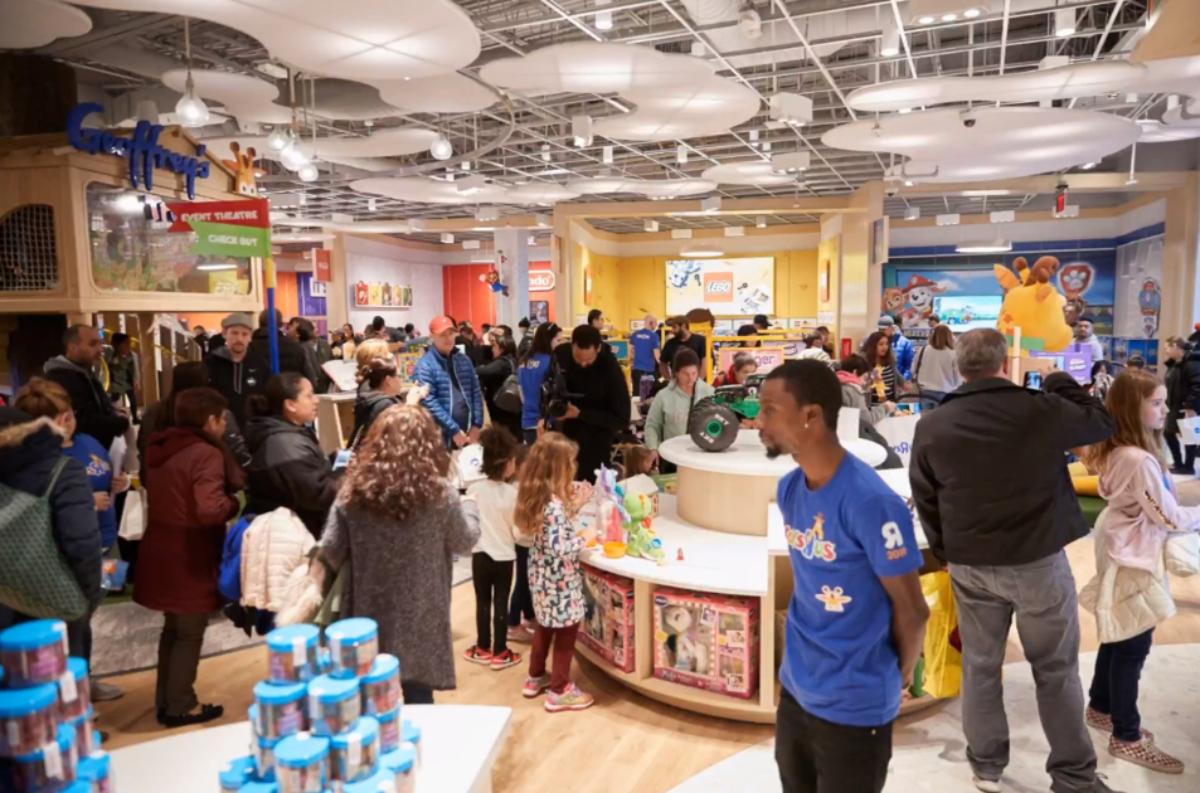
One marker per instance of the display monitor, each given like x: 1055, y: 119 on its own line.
x: 726, y: 287
x: 967, y: 312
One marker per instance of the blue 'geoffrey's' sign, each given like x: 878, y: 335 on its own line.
x: 142, y: 150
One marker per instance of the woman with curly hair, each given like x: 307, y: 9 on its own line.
x: 398, y: 522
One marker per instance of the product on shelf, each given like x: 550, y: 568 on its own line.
x: 96, y: 770
x: 354, y: 754
x: 389, y: 731
x: 353, y: 645
x: 302, y: 764
x: 411, y: 734
x: 28, y: 719
x: 236, y: 773
x: 260, y: 787
x: 48, y: 769
x: 381, y: 685
x: 292, y: 654
x: 87, y: 738
x: 335, y: 704
x: 74, y: 690
x: 263, y: 750
x: 33, y: 653
x: 380, y: 782
x: 279, y: 709
x: 706, y: 641
x: 401, y: 764
x: 608, y: 624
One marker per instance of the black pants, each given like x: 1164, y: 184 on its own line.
x: 529, y: 436
x: 1115, y: 683
x: 492, y: 580
x: 817, y: 756
x: 416, y: 693
x: 635, y: 380
x: 1178, y: 457
x: 521, y: 604
x: 179, y: 649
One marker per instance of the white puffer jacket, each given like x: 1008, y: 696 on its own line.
x: 274, y: 549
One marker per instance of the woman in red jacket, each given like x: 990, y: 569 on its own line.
x: 192, y: 478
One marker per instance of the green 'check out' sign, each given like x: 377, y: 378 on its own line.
x: 224, y: 239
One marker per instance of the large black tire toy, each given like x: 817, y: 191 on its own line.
x: 713, y: 426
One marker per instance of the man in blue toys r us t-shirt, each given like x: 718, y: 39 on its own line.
x: 646, y: 352
x: 856, y: 623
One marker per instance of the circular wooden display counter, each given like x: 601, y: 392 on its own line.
x: 729, y: 491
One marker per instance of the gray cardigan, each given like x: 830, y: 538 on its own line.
x: 400, y: 576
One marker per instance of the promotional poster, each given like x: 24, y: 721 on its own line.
x: 726, y: 287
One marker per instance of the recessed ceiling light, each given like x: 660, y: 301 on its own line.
x: 905, y: 110
x: 989, y: 246
x: 1087, y: 166
x: 908, y: 182
x: 926, y: 20
x: 949, y: 17
x: 982, y: 193
x: 406, y: 79
x: 971, y: 13
x: 701, y: 252
x: 1064, y: 22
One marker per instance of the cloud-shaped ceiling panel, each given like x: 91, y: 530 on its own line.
x: 382, y: 143
x: 540, y: 193
x: 283, y: 238
x: 367, y: 40
x: 605, y: 185
x: 595, y: 67
x: 1065, y: 82
x: 220, y: 147
x: 750, y: 172
x: 245, y: 97
x: 428, y: 191
x: 445, y: 93
x: 1156, y: 132
x: 650, y: 188
x: 1005, y: 142
x: 711, y: 106
x: 25, y: 24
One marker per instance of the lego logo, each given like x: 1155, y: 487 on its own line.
x: 719, y: 287
x: 541, y: 280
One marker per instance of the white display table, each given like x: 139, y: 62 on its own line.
x: 728, y: 491
x: 459, y: 746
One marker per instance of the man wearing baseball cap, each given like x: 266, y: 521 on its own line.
x: 903, y: 347
x: 233, y: 369
x: 455, y: 400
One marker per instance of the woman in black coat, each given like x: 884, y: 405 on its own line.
x: 1183, y: 400
x: 379, y: 390
x: 288, y: 468
x: 491, y: 380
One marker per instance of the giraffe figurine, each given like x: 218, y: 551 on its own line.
x: 245, y: 172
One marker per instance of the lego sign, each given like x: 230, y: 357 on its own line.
x: 541, y: 280
x: 727, y: 287
x: 767, y: 358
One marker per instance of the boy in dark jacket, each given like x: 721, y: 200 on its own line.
x: 600, y: 405
x: 292, y: 357
x: 1183, y: 400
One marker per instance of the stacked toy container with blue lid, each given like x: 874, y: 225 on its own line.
x: 48, y: 743
x: 327, y: 719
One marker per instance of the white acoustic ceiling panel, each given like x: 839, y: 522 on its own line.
x: 674, y: 188
x: 428, y: 191
x: 711, y: 106
x: 366, y: 40
x: 1156, y: 132
x: 1067, y: 82
x: 1172, y: 76
x: 244, y: 97
x: 443, y: 93
x: 750, y: 172
x: 301, y: 236
x: 298, y: 222
x: 604, y: 185
x: 1003, y: 143
x: 595, y: 67
x: 391, y: 142
x: 540, y: 193
x: 375, y: 227
x: 25, y: 24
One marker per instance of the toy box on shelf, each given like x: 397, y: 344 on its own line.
x: 707, y: 641
x: 608, y: 626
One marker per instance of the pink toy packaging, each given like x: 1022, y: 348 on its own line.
x: 707, y: 641
x: 608, y: 624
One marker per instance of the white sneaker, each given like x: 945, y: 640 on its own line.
x: 105, y: 692
x: 987, y: 785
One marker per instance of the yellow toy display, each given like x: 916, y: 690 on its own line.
x: 1032, y: 304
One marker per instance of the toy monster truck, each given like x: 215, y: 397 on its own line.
x: 715, y: 421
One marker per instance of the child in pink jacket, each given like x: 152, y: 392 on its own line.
x: 1130, y: 594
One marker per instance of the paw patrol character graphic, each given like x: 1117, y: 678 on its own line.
x: 1149, y: 301
x: 918, y: 294
x: 1075, y: 280
x: 682, y: 271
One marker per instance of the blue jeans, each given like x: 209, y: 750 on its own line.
x: 1115, y: 684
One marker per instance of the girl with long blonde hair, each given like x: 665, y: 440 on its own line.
x: 399, y: 522
x: 544, y: 508
x: 1130, y: 595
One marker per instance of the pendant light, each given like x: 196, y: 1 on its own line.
x: 191, y: 109
x: 279, y: 139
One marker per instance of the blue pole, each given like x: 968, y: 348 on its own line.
x: 272, y: 331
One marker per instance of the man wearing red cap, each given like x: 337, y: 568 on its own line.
x: 455, y: 400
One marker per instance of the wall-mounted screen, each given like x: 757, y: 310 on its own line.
x: 966, y: 312
x: 726, y: 287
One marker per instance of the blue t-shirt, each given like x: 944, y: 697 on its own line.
x: 94, y: 457
x: 644, y: 342
x: 841, y: 664
x: 531, y: 376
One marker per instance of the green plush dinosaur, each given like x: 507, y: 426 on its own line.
x: 642, y: 542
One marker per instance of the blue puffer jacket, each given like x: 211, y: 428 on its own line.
x: 435, y: 370
x: 904, y: 354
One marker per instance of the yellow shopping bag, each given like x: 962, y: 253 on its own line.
x: 943, y: 647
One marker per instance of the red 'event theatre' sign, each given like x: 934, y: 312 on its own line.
x: 255, y: 213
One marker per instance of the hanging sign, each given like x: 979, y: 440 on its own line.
x: 223, y: 239
x: 321, y: 271
x: 252, y: 212
x: 142, y: 150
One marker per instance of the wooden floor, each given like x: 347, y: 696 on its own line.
x: 624, y: 743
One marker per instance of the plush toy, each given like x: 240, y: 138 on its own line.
x: 1032, y: 304
x: 492, y: 279
x: 689, y: 654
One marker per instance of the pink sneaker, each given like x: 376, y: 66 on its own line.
x: 534, y: 686
x: 571, y: 699
x: 521, y: 634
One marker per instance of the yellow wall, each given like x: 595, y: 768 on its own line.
x: 627, y: 288
x: 830, y: 251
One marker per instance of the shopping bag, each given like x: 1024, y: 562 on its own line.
x: 1189, y: 431
x: 943, y: 647
x: 133, y: 519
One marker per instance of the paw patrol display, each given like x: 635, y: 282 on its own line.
x: 706, y: 641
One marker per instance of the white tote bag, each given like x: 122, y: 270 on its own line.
x: 1189, y: 431
x: 133, y: 519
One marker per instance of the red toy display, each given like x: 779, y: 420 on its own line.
x: 608, y: 626
x: 707, y: 641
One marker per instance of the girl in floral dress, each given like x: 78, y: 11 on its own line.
x: 544, y: 506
